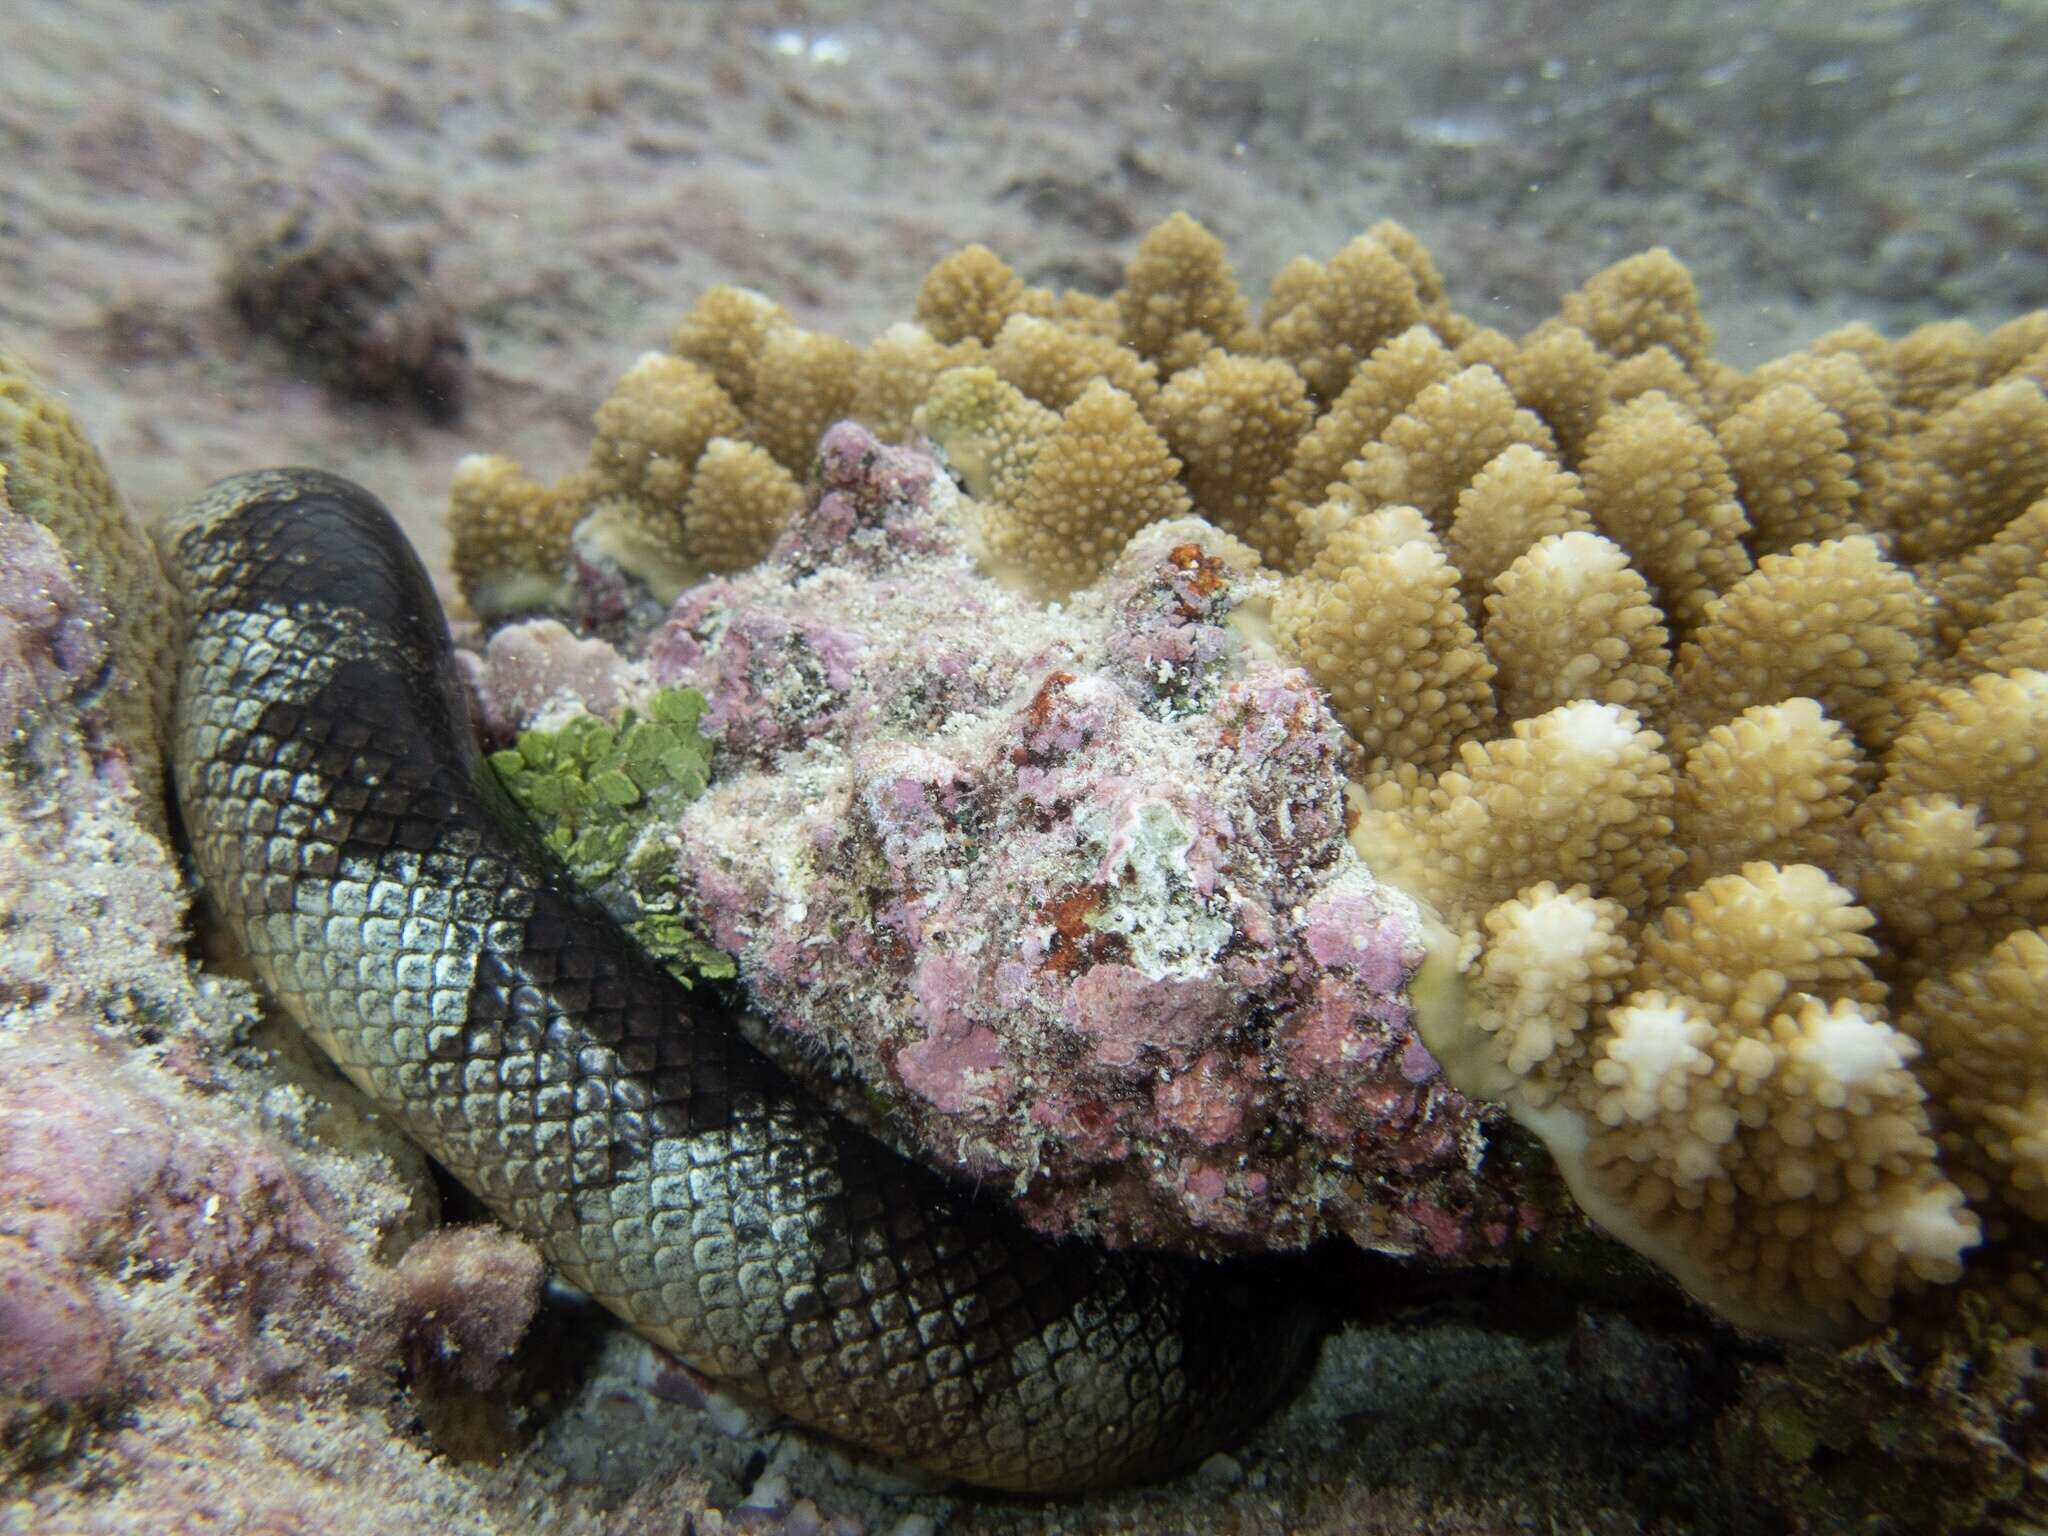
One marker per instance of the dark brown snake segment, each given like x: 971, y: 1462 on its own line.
x: 348, y: 834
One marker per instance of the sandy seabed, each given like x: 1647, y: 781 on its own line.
x: 579, y: 172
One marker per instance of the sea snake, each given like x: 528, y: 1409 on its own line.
x: 349, y: 836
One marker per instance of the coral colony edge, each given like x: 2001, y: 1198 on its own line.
x: 1206, y: 776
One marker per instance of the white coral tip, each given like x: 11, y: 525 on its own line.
x: 1931, y: 1228
x: 1591, y: 727
x: 1653, y: 1045
x: 1846, y: 1047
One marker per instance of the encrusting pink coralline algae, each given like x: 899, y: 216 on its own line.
x: 1063, y: 892
x: 224, y: 1304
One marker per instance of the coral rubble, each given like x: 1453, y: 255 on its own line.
x: 363, y: 318
x: 1896, y: 1433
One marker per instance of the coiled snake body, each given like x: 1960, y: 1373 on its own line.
x: 349, y: 835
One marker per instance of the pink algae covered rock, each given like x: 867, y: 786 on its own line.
x: 52, y: 630
x: 1066, y: 890
x: 197, y: 1330
x: 206, y: 1320
x: 103, y: 1179
x: 538, y: 668
x: 159, y: 1240
x: 465, y: 1297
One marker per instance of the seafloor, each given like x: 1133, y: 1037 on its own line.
x: 578, y: 172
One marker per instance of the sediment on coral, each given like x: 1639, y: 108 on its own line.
x: 1702, y: 706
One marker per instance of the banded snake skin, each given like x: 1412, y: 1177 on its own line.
x: 349, y: 836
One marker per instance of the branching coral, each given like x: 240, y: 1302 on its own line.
x: 693, y: 468
x: 1383, y: 622
x: 1776, y: 783
x: 1432, y: 452
x: 990, y: 430
x: 1987, y: 1065
x: 1234, y: 421
x: 1181, y: 298
x: 1704, y: 707
x: 1328, y: 319
x: 510, y: 533
x: 1570, y: 618
x: 1659, y: 487
x: 740, y: 499
x: 1054, y: 363
x: 1379, y: 391
x: 1103, y: 474
x: 969, y: 295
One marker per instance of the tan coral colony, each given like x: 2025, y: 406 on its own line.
x: 1707, y: 709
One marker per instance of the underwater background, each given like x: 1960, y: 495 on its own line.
x: 378, y: 239
x: 576, y: 174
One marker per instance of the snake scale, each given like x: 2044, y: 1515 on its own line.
x: 350, y: 837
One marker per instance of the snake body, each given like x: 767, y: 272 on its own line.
x: 348, y: 834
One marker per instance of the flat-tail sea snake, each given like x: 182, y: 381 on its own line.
x: 350, y: 837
